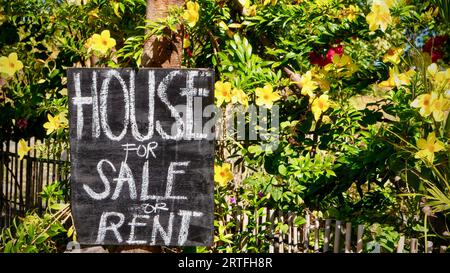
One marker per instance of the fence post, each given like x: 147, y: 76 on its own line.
x: 306, y: 233
x: 348, y: 237
x: 414, y: 245
x: 326, y: 239
x: 429, y: 247
x: 271, y: 221
x: 401, y: 244
x: 359, y: 238
x: 337, y: 236
x: 316, y: 235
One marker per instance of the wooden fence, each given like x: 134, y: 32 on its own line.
x: 22, y: 181
x: 314, y: 236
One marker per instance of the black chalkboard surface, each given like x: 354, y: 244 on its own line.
x: 142, y: 156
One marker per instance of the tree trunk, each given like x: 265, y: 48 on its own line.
x: 168, y: 52
x: 165, y: 53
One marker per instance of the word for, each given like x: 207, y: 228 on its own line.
x: 141, y: 150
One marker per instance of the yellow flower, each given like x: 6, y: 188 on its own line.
x: 428, y: 147
x: 63, y: 121
x: 88, y: 44
x: 10, y: 65
x: 23, y: 148
x: 379, y: 16
x: 266, y: 96
x: 397, y: 79
x: 388, y: 3
x: 393, y: 56
x: 53, y: 124
x: 324, y: 84
x: 93, y: 15
x: 432, y: 70
x: 186, y: 43
x: 103, y: 42
x: 439, y: 105
x: 191, y: 13
x: 351, y: 13
x: 239, y: 96
x: 423, y: 102
x: 272, y: 2
x: 308, y: 85
x: 439, y: 78
x: 250, y: 11
x: 223, y: 92
x: 341, y: 60
x: 223, y: 174
x: 319, y: 106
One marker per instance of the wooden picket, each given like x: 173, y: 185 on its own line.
x: 22, y: 181
x: 307, y: 238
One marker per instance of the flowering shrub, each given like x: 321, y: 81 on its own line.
x: 362, y: 91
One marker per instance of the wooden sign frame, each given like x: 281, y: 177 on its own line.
x: 142, y: 156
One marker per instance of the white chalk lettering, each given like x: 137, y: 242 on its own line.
x: 132, y: 240
x: 79, y: 101
x: 171, y: 177
x: 162, y: 88
x: 95, y: 117
x: 125, y: 175
x: 166, y: 235
x: 103, y: 105
x: 189, y: 92
x: 185, y: 220
x: 114, y: 227
x: 151, y: 107
x: 149, y: 209
x: 105, y: 193
x: 141, y: 150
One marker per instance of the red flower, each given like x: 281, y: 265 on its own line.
x: 318, y: 59
x: 189, y: 52
x: 339, y: 50
x: 434, y: 42
x: 436, y: 55
x: 321, y: 60
x: 22, y: 123
x: 434, y: 46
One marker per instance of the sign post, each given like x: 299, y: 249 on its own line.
x: 142, y: 155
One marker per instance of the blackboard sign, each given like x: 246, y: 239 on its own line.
x: 142, y: 155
